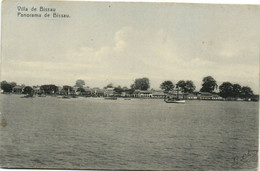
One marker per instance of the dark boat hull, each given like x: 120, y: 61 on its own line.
x: 175, y: 101
x: 110, y: 98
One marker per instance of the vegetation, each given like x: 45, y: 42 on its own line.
x: 80, y: 83
x: 7, y: 87
x: 186, y: 86
x: 141, y: 84
x: 209, y: 84
x: 49, y: 89
x: 227, y: 89
x: 110, y: 85
x: 236, y: 90
x: 82, y: 90
x: 246, y: 92
x: 27, y: 90
x: 118, y: 89
x: 167, y: 86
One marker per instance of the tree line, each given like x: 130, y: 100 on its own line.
x: 209, y: 84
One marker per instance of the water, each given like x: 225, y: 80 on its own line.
x: 93, y: 133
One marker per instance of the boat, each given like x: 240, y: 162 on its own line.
x: 41, y: 95
x: 174, y: 101
x: 66, y: 97
x: 110, y: 98
x: 74, y: 96
x: 28, y: 96
x: 127, y: 99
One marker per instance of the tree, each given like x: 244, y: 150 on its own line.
x: 4, y: 82
x: 81, y: 90
x: 181, y: 84
x: 209, y: 84
x: 236, y: 90
x: 49, y: 89
x: 125, y: 88
x: 6, y: 87
x: 246, y: 92
x: 142, y: 83
x: 27, y: 90
x: 80, y: 83
x: 186, y: 86
x: 110, y: 85
x: 190, y: 87
x: 118, y: 89
x: 132, y: 86
x: 167, y: 86
x: 13, y: 84
x: 226, y: 90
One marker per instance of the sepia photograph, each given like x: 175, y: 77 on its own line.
x: 129, y: 85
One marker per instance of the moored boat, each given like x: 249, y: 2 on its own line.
x: 174, y: 101
x: 65, y: 97
x: 41, y: 95
x: 28, y: 96
x: 110, y: 98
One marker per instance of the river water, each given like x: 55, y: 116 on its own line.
x: 93, y: 133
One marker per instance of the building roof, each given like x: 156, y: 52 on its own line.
x: 145, y: 91
x: 205, y: 93
x: 100, y: 91
x: 110, y: 89
x: 158, y: 93
x: 191, y: 95
x: 18, y: 87
x: 87, y: 89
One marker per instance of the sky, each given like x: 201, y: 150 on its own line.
x: 104, y: 43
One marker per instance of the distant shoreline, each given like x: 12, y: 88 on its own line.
x: 129, y: 98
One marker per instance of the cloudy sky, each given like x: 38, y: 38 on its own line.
x: 118, y: 42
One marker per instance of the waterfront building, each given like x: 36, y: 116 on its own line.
x: 143, y: 93
x: 191, y: 96
x: 17, y: 89
x: 177, y: 94
x: 158, y: 94
x: 204, y: 96
x: 208, y: 96
x: 60, y: 91
x: 88, y: 92
x: 100, y: 92
x: 216, y: 97
x: 109, y: 92
x: 37, y: 89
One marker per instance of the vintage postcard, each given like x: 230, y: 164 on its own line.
x: 129, y: 86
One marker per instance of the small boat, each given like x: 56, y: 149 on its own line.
x: 74, y: 96
x: 110, y: 98
x: 41, y: 95
x: 127, y: 99
x: 65, y: 97
x: 28, y: 96
x: 174, y: 101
